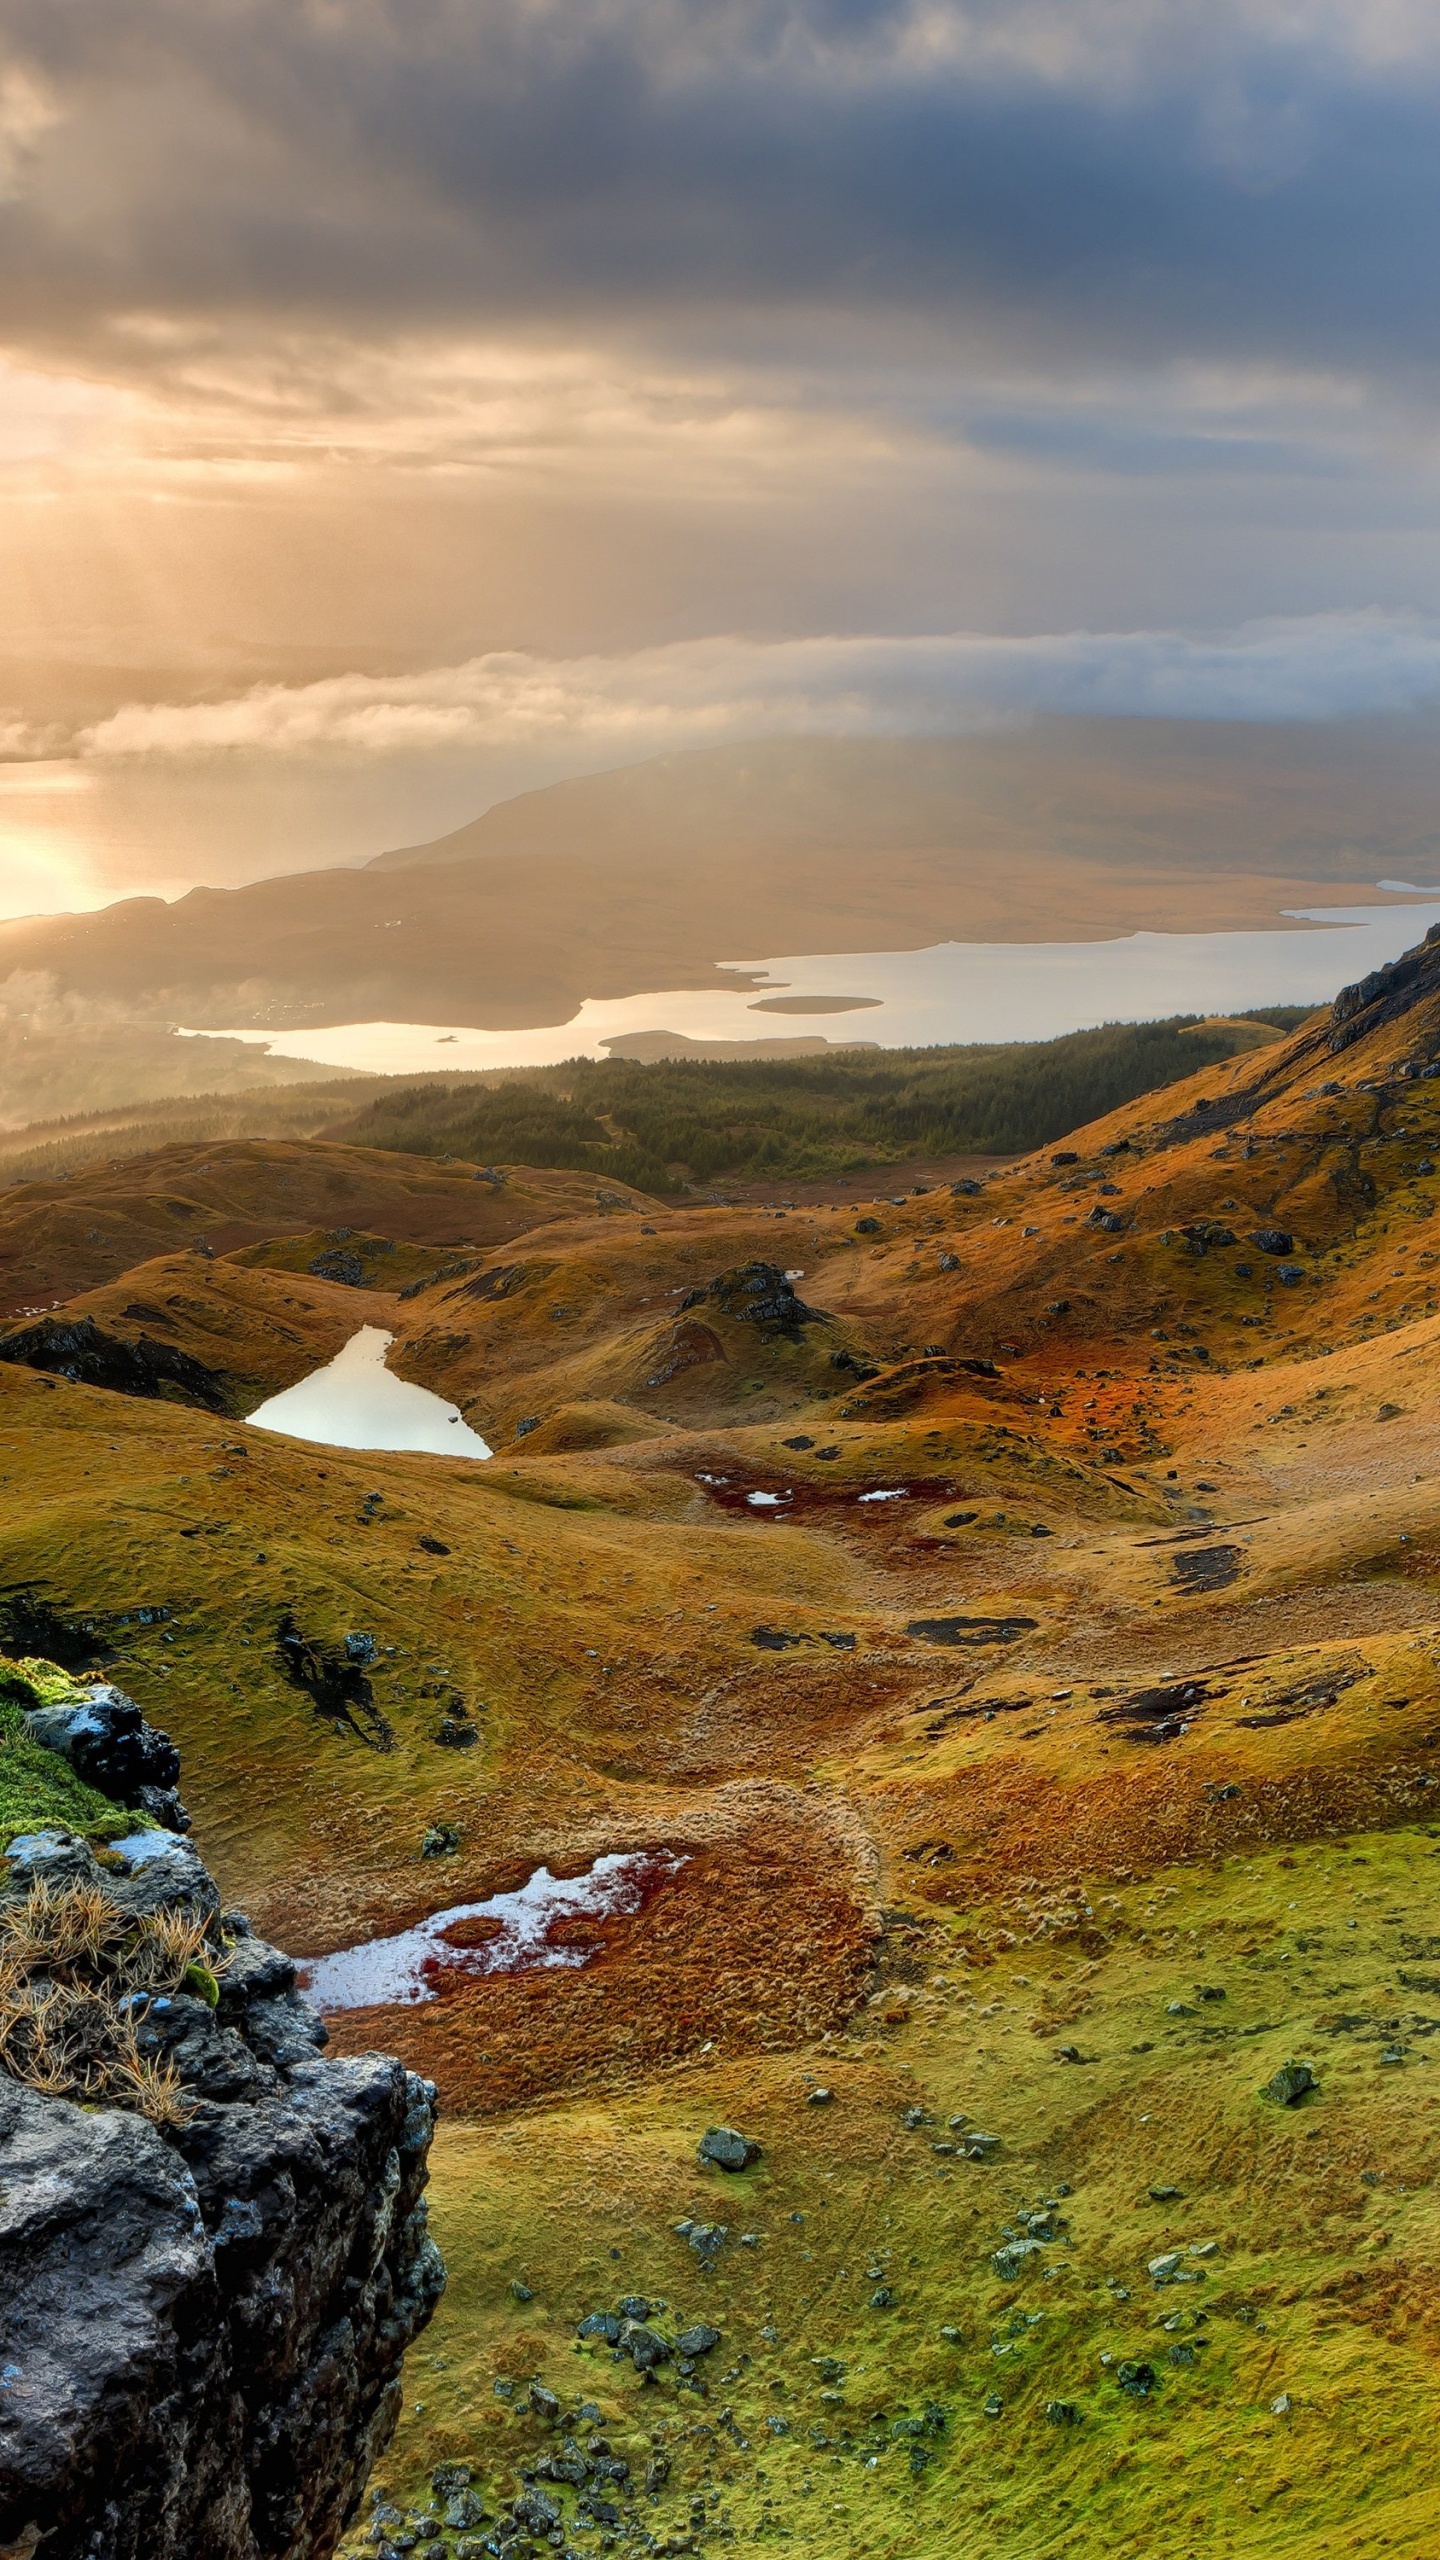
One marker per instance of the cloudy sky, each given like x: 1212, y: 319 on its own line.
x: 404, y: 401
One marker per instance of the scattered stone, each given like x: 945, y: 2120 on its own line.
x: 520, y: 2292
x: 1282, y: 2407
x: 707, y: 2239
x: 643, y: 2345
x: 1139, y: 2379
x: 1166, y: 2195
x: 820, y: 2098
x: 544, y: 2402
x: 1014, y: 2258
x: 1292, y: 2082
x: 698, y: 2341
x: 1271, y: 1240
x: 433, y: 1546
x: 599, y: 2324
x: 1161, y: 2269
x: 724, y: 2148
x: 440, y: 1841
x: 1062, y: 2413
x: 536, y: 2512
x: 993, y: 2406
x: 882, y: 2298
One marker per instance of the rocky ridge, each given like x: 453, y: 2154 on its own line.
x: 202, y: 2318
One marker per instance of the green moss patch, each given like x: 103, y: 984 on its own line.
x: 38, y: 1790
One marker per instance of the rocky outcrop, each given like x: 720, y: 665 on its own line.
x: 1372, y: 1002
x: 107, y: 1742
x: 202, y: 2321
x: 756, y: 1293
x: 83, y: 1351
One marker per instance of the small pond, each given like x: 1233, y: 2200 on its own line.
x: 354, y: 1402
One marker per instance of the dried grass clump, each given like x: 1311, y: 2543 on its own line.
x: 77, y: 1977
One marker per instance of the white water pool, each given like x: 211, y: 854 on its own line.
x: 355, y: 1403
x: 403, y: 1971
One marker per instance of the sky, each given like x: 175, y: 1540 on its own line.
x: 404, y: 402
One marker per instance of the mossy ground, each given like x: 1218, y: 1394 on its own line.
x: 37, y: 1789
x: 1319, y: 2289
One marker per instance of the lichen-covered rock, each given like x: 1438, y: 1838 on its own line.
x: 107, y: 1742
x: 202, y: 2323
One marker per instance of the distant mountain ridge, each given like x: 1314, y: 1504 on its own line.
x: 645, y: 878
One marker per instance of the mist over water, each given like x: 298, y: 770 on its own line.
x: 955, y: 991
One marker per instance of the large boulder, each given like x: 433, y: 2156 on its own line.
x: 107, y: 1742
x: 212, y: 2264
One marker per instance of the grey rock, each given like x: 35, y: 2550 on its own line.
x: 644, y: 2346
x: 285, y: 2031
x: 202, y: 2328
x: 1292, y: 2082
x: 726, y: 2149
x: 445, y: 2480
x: 108, y: 1743
x: 1271, y: 1240
x: 698, y: 2341
x: 253, y: 1971
x: 1014, y: 2258
x: 599, y: 2324
x: 567, y: 2467
x: 205, y: 2329
x: 536, y: 2512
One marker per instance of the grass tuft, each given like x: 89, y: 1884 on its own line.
x: 77, y: 1977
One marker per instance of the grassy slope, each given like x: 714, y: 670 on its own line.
x: 78, y: 1232
x: 908, y: 1905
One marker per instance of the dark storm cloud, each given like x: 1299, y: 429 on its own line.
x: 1137, y: 181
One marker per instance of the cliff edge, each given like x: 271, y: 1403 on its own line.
x: 213, y: 2243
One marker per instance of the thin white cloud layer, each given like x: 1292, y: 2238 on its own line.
x: 1311, y: 667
